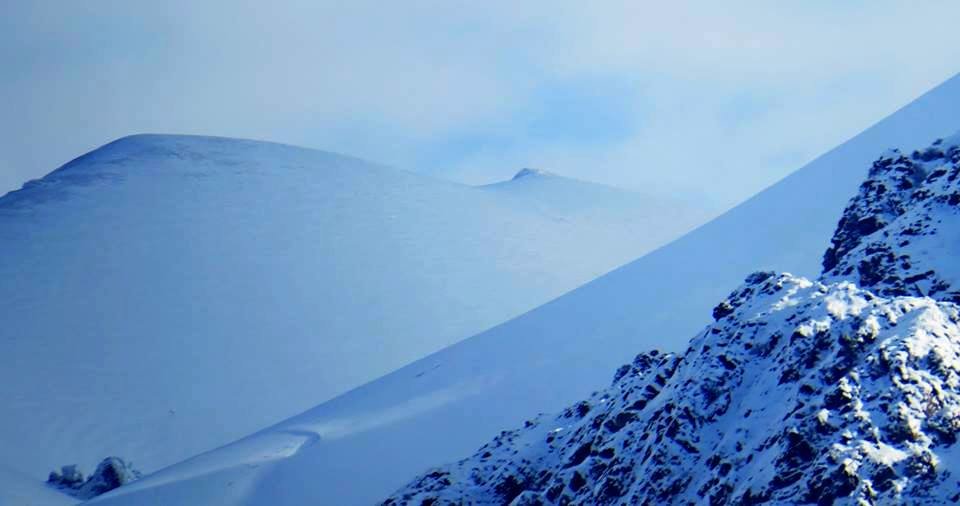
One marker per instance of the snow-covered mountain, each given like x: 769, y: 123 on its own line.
x: 361, y: 446
x: 800, y: 393
x: 164, y: 295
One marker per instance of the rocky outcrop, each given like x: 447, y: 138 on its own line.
x: 892, y: 235
x: 844, y: 390
x: 111, y: 473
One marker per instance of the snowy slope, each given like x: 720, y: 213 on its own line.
x: 164, y: 295
x: 358, y: 448
x: 801, y: 392
x: 21, y: 489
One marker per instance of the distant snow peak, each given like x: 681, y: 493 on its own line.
x: 527, y: 172
x: 800, y: 392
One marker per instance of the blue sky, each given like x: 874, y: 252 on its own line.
x: 710, y: 101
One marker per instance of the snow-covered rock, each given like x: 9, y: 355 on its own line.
x: 892, y: 236
x: 110, y: 474
x: 800, y: 392
x: 68, y: 477
x: 805, y: 393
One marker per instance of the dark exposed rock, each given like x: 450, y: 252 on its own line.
x: 902, y: 199
x: 111, y: 473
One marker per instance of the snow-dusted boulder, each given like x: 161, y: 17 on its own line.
x: 68, y: 477
x: 111, y: 473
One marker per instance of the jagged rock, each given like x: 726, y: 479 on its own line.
x: 844, y: 390
x: 904, y: 210
x: 68, y: 477
x: 111, y: 473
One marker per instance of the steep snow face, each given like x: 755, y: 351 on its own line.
x: 164, y: 295
x: 802, y: 393
x: 444, y: 406
x: 906, y: 216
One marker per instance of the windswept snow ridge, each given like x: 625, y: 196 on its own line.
x: 800, y: 393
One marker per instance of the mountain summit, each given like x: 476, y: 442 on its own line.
x: 801, y: 392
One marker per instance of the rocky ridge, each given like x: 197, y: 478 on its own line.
x: 844, y: 390
x: 896, y: 235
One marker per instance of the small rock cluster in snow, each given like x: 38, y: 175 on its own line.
x: 111, y: 473
x: 844, y: 390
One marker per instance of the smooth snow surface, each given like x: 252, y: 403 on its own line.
x: 19, y: 489
x: 164, y: 295
x: 362, y: 446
